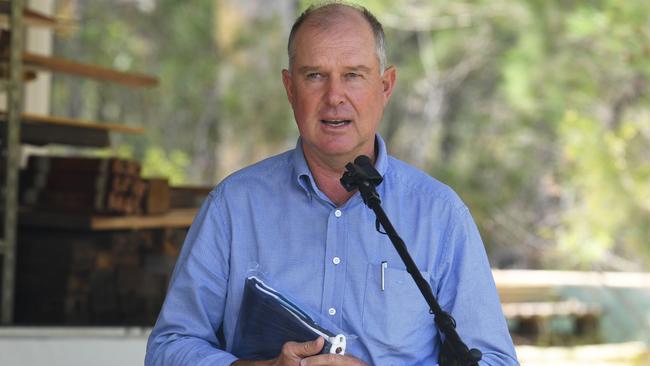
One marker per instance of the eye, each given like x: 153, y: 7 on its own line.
x: 314, y: 76
x: 352, y: 75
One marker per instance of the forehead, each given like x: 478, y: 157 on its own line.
x: 348, y: 37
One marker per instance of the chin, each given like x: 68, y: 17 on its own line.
x: 337, y: 149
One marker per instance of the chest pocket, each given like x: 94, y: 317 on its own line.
x: 397, y: 319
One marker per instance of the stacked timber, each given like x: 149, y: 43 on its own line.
x: 82, y: 184
x: 92, y: 186
x: 94, y: 278
x: 188, y: 196
x: 157, y: 196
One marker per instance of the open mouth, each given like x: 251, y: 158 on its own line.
x: 335, y: 122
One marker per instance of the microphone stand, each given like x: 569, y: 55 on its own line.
x: 363, y: 176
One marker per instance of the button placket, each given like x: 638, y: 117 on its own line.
x: 334, y: 241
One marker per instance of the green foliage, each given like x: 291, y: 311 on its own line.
x: 542, y: 126
x: 157, y: 163
x: 608, y: 195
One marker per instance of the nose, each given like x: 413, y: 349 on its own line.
x: 335, y: 93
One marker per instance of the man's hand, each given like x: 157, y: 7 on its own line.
x: 291, y: 355
x: 331, y: 360
x: 304, y: 354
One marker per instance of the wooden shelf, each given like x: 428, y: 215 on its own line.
x: 39, y: 62
x: 43, y: 130
x: 571, y: 308
x: 30, y: 17
x: 33, y: 63
x: 28, y: 75
x: 81, y: 123
x: 176, y: 218
x: 539, y: 280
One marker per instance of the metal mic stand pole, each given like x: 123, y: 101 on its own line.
x: 362, y: 176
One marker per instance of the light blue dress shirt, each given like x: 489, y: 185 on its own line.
x: 273, y: 214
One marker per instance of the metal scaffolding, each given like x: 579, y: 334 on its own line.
x: 11, y: 152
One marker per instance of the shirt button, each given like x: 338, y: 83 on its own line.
x: 338, y: 213
x: 332, y: 311
x: 336, y: 260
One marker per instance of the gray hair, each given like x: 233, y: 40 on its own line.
x: 332, y: 7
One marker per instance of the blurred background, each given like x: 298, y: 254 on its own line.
x: 536, y: 112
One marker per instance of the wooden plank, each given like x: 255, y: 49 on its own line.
x: 45, y: 134
x: 28, y: 75
x: 30, y: 17
x: 188, y: 196
x: 156, y: 196
x: 176, y: 218
x: 80, y: 123
x: 545, y: 279
x: 549, y: 309
x: 32, y: 60
x: 44, y: 130
x: 46, y: 164
x: 524, y: 294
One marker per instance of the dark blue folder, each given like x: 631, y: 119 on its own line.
x: 267, y: 320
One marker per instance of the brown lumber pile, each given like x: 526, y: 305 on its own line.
x: 157, y: 197
x: 91, y: 185
x: 188, y: 196
x: 94, y: 278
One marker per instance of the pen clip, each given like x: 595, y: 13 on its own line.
x: 384, y: 265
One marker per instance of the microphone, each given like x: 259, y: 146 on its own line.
x: 364, y: 161
x: 360, y: 174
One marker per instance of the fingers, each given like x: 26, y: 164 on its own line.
x: 291, y: 355
x: 302, y: 350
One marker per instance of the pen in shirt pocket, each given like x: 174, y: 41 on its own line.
x: 384, y: 265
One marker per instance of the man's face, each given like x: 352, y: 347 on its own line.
x: 336, y: 89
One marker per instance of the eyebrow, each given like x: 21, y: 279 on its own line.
x: 306, y: 69
x: 360, y: 68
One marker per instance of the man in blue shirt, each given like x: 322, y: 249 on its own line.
x: 290, y: 216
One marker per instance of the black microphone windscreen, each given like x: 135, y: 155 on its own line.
x: 362, y: 160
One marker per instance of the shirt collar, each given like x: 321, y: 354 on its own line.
x: 381, y: 164
x: 305, y: 179
x: 301, y: 169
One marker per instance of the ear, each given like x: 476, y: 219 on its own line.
x: 388, y: 80
x: 288, y: 84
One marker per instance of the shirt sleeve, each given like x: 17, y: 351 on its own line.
x: 466, y: 289
x: 187, y: 327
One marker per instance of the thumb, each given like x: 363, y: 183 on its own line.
x: 310, y: 348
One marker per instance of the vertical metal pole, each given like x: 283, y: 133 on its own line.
x: 14, y: 105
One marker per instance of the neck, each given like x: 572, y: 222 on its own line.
x: 327, y: 174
